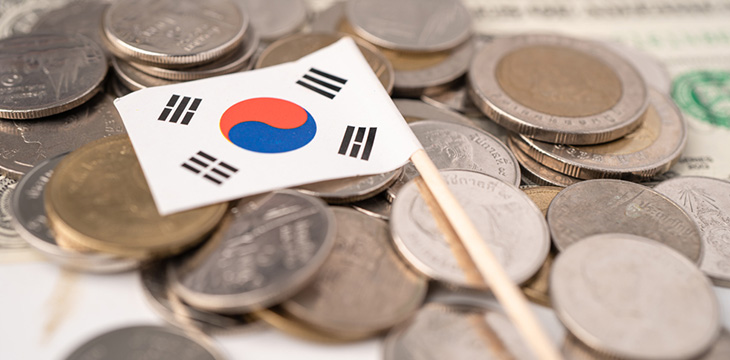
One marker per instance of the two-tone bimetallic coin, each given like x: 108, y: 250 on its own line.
x: 174, y: 33
x: 649, y: 150
x: 537, y: 172
x: 26, y: 143
x: 340, y: 191
x: 608, y: 206
x: 293, y: 47
x: 274, y: 19
x: 170, y: 307
x: 440, y: 331
x: 454, y: 146
x: 30, y: 221
x: 363, y: 287
x: 507, y: 220
x: 410, y: 25
x: 83, y: 210
x: 147, y: 342
x: 45, y: 74
x: 630, y: 297
x: 257, y: 258
x: 707, y: 201
x: 557, y: 89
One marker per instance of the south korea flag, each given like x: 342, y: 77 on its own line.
x: 323, y: 117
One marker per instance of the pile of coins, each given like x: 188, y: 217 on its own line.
x: 627, y: 269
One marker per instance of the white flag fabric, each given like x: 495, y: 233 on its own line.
x: 325, y: 116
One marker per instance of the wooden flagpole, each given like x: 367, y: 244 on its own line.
x: 506, y: 292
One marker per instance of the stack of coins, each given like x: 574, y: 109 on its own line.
x: 172, y: 41
x: 578, y: 109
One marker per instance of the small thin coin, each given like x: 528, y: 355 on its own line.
x: 135, y: 79
x: 170, y: 307
x: 410, y: 25
x: 340, y: 191
x: 98, y: 199
x: 28, y: 142
x: 416, y: 110
x: 274, y: 19
x: 608, y: 206
x: 537, y: 172
x: 147, y: 342
x: 363, y: 287
x: 648, y: 151
x: 293, y: 47
x: 707, y: 201
x: 45, y: 74
x: 377, y: 206
x: 30, y: 221
x: 440, y: 331
x: 557, y: 89
x: 174, y: 33
x: 9, y: 237
x: 507, y: 220
x: 235, y: 61
x: 630, y: 297
x: 453, y: 146
x: 257, y: 258
x: 454, y: 98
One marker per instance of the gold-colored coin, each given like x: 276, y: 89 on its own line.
x: 542, y: 196
x: 98, y: 199
x: 537, y: 289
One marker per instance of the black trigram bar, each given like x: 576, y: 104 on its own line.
x: 209, y: 167
x: 178, y: 111
x: 322, y: 83
x: 347, y: 141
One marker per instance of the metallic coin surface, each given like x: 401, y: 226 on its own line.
x: 453, y: 146
x: 410, y: 25
x: 170, y: 307
x: 416, y: 110
x: 631, y: 297
x: 557, y: 89
x: 440, y: 331
x: 649, y: 150
x: 273, y: 19
x: 537, y: 288
x: 235, y: 61
x: 30, y: 221
x: 26, y: 143
x: 45, y: 74
x: 377, y: 206
x: 174, y: 33
x: 147, y: 342
x: 135, y: 79
x: 542, y: 196
x: 707, y: 201
x: 9, y: 238
x: 74, y: 18
x: 721, y: 349
x: 83, y: 210
x: 454, y: 98
x: 608, y: 206
x: 363, y: 287
x: 535, y: 171
x: 257, y: 258
x: 329, y: 19
x: 508, y: 221
x: 351, y: 189
x: 281, y: 320
x: 296, y: 46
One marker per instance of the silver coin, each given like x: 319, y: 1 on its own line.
x: 328, y: 20
x: 377, y: 206
x: 537, y: 172
x: 174, y: 33
x: 9, y: 238
x: 707, y: 201
x: 274, y: 19
x: 453, y: 98
x: 440, y: 331
x: 411, y: 25
x: 75, y: 18
x: 649, y: 150
x: 171, y: 308
x: 557, y: 89
x: 135, y: 79
x: 24, y: 144
x: 461, y: 147
x: 340, y: 191
x: 115, y: 87
x: 416, y: 110
x: 363, y: 287
x: 45, y: 74
x: 147, y: 342
x: 238, y: 60
x: 17, y: 17
x: 257, y: 258
x: 608, y: 206
x: 508, y: 221
x: 721, y: 349
x: 631, y: 297
x: 30, y: 221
